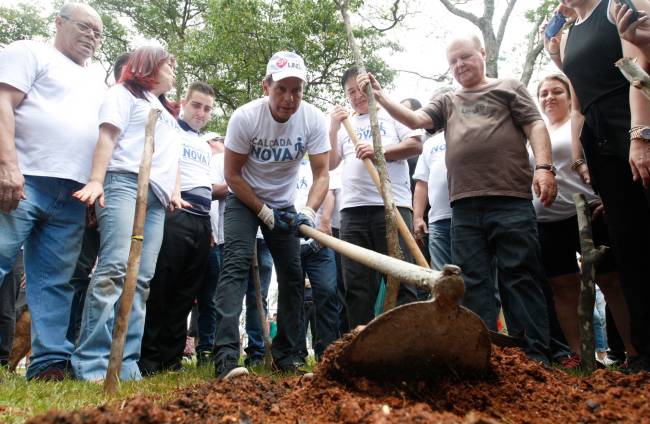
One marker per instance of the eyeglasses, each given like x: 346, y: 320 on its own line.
x: 84, y: 27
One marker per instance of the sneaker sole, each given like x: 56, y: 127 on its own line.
x: 235, y: 372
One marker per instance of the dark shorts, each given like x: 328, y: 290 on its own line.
x: 560, y: 241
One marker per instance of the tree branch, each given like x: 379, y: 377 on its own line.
x: 504, y: 21
x: 437, y: 78
x: 461, y: 13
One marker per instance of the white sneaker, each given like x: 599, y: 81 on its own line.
x: 234, y: 373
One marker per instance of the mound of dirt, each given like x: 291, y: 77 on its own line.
x: 515, y: 391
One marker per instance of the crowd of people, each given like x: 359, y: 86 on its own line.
x: 487, y: 186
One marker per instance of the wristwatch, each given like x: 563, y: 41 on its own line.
x: 547, y: 167
x: 640, y: 132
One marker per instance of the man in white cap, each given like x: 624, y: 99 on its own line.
x: 265, y: 141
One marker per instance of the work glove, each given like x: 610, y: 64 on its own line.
x: 306, y: 216
x: 276, y: 219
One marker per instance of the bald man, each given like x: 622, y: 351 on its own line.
x: 49, y: 102
x: 486, y: 123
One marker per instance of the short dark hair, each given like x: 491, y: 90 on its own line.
x: 119, y: 64
x: 414, y: 104
x: 351, y: 73
x: 201, y: 87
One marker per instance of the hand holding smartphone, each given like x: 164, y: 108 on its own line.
x: 555, y: 25
x: 630, y: 6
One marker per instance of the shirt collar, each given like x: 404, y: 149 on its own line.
x: 185, y: 126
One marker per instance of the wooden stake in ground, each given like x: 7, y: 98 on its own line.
x: 392, y: 238
x: 589, y: 259
x: 111, y: 384
x: 635, y: 74
x: 255, y: 269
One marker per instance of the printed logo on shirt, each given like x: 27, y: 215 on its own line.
x: 479, y: 108
x: 438, y: 148
x: 278, y: 149
x: 195, y: 155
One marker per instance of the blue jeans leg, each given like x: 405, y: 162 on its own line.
x: 599, y: 322
x: 440, y: 243
x: 254, y: 332
x: 90, y: 359
x: 320, y: 267
x: 50, y: 223
x: 207, y: 320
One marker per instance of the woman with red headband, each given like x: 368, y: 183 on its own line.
x: 146, y: 77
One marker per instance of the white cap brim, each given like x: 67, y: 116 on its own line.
x: 289, y: 73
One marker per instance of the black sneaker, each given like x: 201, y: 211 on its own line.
x: 56, y: 371
x: 254, y: 361
x: 636, y: 364
x: 228, y: 369
x: 204, y: 357
x: 294, y: 367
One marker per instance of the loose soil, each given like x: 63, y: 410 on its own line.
x: 515, y: 391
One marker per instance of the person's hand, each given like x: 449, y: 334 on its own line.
x: 567, y: 12
x: 337, y: 115
x: 91, y: 192
x: 637, y: 32
x: 91, y: 217
x: 365, y: 151
x: 306, y: 216
x: 544, y: 186
x: 365, y: 79
x: 420, y: 228
x: 12, y: 187
x: 275, y: 219
x: 583, y: 172
x: 597, y: 209
x: 325, y: 226
x: 640, y: 161
x: 551, y: 45
x: 177, y: 202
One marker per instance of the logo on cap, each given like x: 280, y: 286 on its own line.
x: 281, y: 63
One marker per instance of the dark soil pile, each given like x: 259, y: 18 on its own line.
x: 516, y: 391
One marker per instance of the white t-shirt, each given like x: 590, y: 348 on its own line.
x: 335, y: 186
x: 431, y: 168
x: 218, y: 206
x: 56, y: 123
x: 195, y: 162
x: 275, y: 149
x: 357, y: 186
x: 129, y: 114
x: 568, y: 181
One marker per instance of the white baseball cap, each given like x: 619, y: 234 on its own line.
x: 286, y: 64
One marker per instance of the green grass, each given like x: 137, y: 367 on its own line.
x: 21, y: 400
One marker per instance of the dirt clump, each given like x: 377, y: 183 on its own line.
x: 516, y: 390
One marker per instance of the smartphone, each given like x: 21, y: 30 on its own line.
x: 630, y: 5
x: 555, y: 25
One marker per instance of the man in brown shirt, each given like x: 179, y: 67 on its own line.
x: 486, y: 123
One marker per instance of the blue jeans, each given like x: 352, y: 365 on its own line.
x: 320, y: 266
x: 440, y: 243
x: 240, y: 227
x: 50, y: 224
x: 90, y: 359
x: 600, y: 334
x: 207, y: 320
x: 254, y: 332
x: 502, y: 231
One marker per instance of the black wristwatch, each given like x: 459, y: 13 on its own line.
x: 547, y: 167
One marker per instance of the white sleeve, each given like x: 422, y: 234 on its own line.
x: 422, y: 169
x: 19, y: 66
x: 116, y: 107
x: 318, y: 138
x: 236, y: 138
x: 404, y: 132
x: 340, y: 138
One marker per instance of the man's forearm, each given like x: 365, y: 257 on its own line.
x: 420, y: 198
x: 318, y: 190
x: 8, y: 155
x: 334, y: 157
x: 244, y: 193
x: 327, y: 207
x: 219, y: 191
x: 540, y: 142
x: 408, y: 148
x: 413, y: 120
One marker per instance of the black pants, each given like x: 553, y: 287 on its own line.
x: 365, y: 226
x: 627, y: 211
x: 240, y: 227
x: 180, y: 272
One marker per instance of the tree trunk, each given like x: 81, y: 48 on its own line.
x: 589, y: 261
